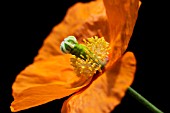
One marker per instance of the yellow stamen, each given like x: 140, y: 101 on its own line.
x: 98, y: 52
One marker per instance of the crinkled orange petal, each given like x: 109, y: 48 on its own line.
x: 105, y: 92
x: 122, y: 15
x: 83, y: 20
x: 44, y: 81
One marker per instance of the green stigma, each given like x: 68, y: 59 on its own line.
x: 88, y: 58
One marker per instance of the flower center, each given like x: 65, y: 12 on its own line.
x: 87, y: 58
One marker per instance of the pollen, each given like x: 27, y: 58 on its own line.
x: 98, y: 46
x: 96, y: 57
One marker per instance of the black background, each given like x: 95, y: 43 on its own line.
x: 26, y: 25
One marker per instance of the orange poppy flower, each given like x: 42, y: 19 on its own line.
x: 51, y: 75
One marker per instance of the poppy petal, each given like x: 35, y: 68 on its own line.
x: 105, y: 92
x: 44, y: 81
x: 82, y: 20
x: 122, y: 15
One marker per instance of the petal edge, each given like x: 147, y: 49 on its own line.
x: 106, y: 92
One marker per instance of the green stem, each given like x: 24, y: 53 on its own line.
x: 70, y: 45
x: 143, y: 101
